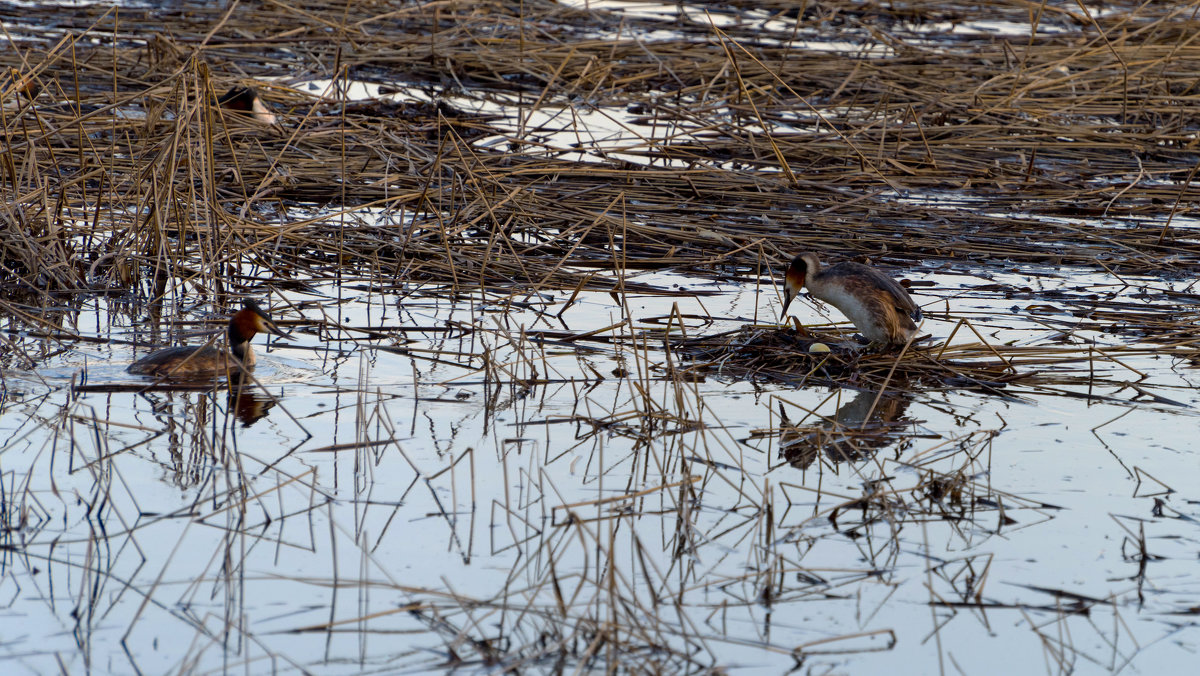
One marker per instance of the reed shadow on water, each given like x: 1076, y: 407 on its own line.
x: 539, y: 411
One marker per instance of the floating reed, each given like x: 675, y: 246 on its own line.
x: 922, y: 144
x: 523, y: 148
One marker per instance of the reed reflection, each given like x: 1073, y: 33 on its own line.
x: 198, y: 430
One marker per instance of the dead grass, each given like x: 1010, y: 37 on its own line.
x: 749, y: 150
x: 734, y: 141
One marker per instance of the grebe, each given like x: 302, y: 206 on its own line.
x: 246, y: 100
x: 208, y: 361
x: 879, y: 307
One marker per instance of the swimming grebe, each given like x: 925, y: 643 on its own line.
x: 199, y: 362
x: 246, y: 100
x: 876, y: 303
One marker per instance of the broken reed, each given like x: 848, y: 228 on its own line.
x: 953, y: 150
x: 924, y: 146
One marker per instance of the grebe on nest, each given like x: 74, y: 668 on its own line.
x: 879, y: 307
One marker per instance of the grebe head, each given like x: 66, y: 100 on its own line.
x: 246, y: 99
x: 799, y: 270
x: 251, y: 320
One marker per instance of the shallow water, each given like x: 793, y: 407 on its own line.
x: 372, y: 509
x: 429, y: 478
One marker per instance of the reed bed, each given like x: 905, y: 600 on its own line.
x: 520, y: 154
x: 742, y: 148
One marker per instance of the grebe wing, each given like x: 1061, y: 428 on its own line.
x: 904, y: 302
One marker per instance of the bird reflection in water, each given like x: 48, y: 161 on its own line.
x: 246, y: 400
x: 197, y: 429
x: 250, y: 403
x: 843, y: 437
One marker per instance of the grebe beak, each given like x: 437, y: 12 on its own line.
x: 793, y: 281
x: 267, y: 326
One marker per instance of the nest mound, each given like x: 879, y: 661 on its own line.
x: 806, y: 358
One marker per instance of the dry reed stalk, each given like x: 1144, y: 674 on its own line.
x: 1033, y: 142
x: 928, y: 151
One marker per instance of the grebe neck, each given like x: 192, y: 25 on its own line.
x: 239, y: 345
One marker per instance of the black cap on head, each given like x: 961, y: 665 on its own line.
x: 239, y: 98
x: 253, y: 306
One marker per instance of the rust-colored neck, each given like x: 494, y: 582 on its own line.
x: 242, y: 328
